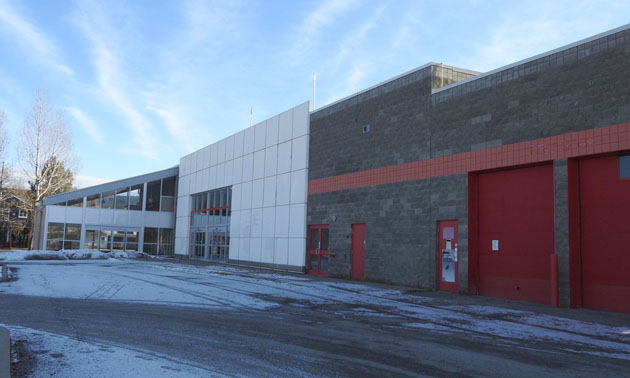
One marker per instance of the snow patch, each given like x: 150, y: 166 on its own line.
x: 63, y: 356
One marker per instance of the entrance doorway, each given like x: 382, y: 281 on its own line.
x: 358, y: 251
x: 447, y: 256
x: 317, y: 259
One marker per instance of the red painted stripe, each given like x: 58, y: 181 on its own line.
x: 580, y: 143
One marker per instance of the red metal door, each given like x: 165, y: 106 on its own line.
x: 516, y: 233
x: 447, y: 256
x: 605, y: 234
x: 317, y: 258
x: 358, y: 251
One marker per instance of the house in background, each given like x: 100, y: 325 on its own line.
x: 14, y: 225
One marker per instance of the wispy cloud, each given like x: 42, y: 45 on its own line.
x: 87, y: 124
x: 32, y: 40
x: 528, y: 30
x: 308, y: 34
x: 85, y: 181
x: 111, y: 80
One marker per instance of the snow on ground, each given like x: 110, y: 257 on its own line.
x: 74, y: 254
x: 229, y: 288
x: 62, y: 356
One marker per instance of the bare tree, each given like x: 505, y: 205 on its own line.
x: 45, y: 152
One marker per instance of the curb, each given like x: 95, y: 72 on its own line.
x: 5, y: 350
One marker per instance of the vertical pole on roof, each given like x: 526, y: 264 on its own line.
x: 314, y: 86
x: 251, y: 115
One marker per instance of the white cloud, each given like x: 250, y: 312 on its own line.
x: 528, y: 30
x: 112, y: 82
x: 86, y: 123
x: 85, y: 181
x: 33, y: 41
x: 312, y: 26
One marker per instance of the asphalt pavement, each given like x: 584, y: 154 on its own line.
x: 301, y: 338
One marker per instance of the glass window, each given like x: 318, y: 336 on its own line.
x: 135, y: 197
x: 168, y: 186
x: 91, y: 239
x: 53, y: 245
x: 150, y: 235
x: 324, y: 246
x: 78, y: 202
x: 624, y: 166
x: 168, y: 204
x: 153, y: 195
x: 119, y: 241
x: 132, y: 236
x: 55, y: 231
x: 151, y: 249
x: 122, y: 199
x: 105, y: 239
x: 69, y: 244
x: 107, y: 201
x: 94, y: 200
x: 73, y: 231
x: 61, y: 203
x: 166, y: 236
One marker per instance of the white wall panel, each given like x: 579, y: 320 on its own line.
x: 272, y: 131
x: 220, y: 175
x: 269, y: 196
x: 297, y: 252
x: 271, y: 161
x: 229, y: 169
x: 257, y: 226
x: 255, y: 248
x: 236, y: 197
x: 206, y: 158
x: 238, y: 144
x: 214, y: 154
x: 243, y: 249
x: 281, y: 255
x: 260, y: 131
x: 301, y: 120
x: 213, y: 178
x: 299, y: 153
x: 234, y: 246
x: 257, y: 193
x: 299, y: 182
x: 297, y: 221
x: 237, y: 172
x: 235, y: 224
x: 248, y: 142
x: 204, y: 179
x: 284, y: 157
x: 248, y: 167
x: 221, y: 152
x: 246, y: 195
x: 268, y: 247
x: 246, y: 224
x: 229, y: 148
x: 285, y: 129
x: 259, y: 164
x: 283, y: 189
x: 269, y: 222
x: 282, y: 221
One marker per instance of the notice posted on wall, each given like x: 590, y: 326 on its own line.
x: 495, y: 245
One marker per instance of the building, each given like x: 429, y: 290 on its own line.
x: 512, y: 183
x: 14, y: 225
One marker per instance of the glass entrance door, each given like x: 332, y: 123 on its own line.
x: 317, y: 258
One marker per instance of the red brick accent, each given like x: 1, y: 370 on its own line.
x: 580, y: 143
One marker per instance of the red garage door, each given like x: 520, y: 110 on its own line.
x: 605, y: 232
x: 516, y: 229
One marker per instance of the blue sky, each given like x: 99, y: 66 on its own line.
x: 142, y: 83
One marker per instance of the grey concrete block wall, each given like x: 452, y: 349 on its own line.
x: 584, y: 87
